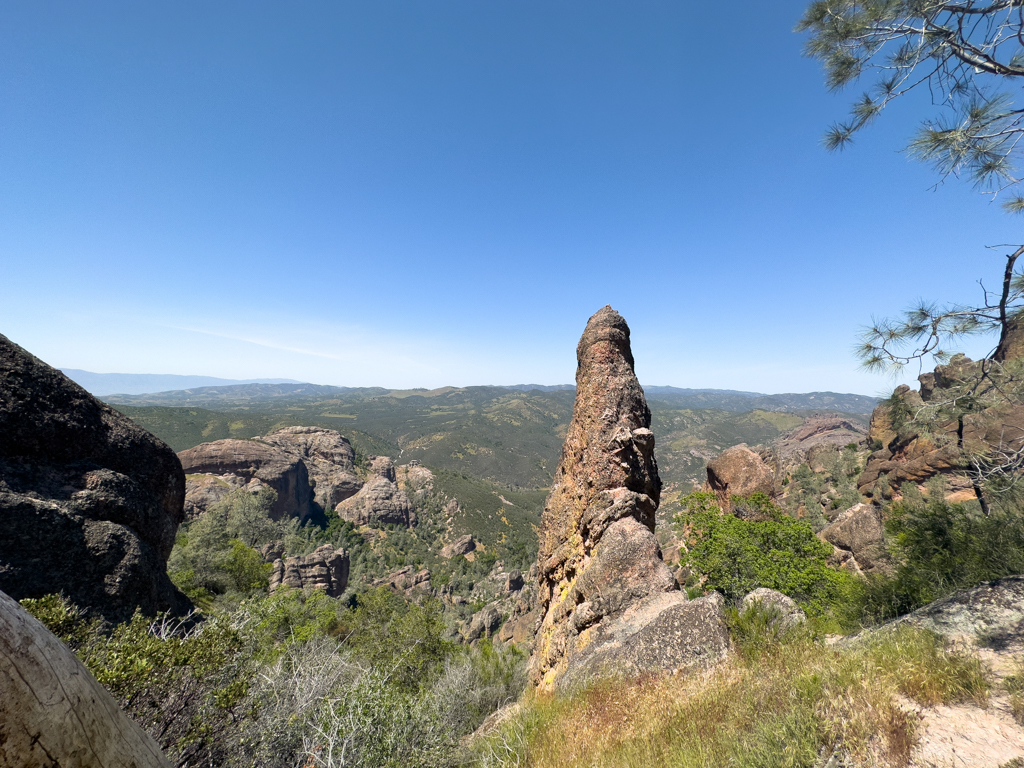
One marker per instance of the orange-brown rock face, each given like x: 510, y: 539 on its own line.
x: 244, y: 461
x: 909, y: 455
x: 606, y: 598
x: 738, y: 471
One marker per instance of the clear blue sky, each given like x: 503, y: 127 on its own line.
x: 428, y: 193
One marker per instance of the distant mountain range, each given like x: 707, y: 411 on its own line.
x: 101, y: 384
x: 266, y: 391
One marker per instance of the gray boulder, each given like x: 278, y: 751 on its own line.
x: 89, y: 501
x: 53, y: 712
x: 789, y: 613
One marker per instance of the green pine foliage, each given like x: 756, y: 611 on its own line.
x: 940, y: 548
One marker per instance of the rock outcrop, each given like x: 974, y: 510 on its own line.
x: 484, y: 623
x: 89, y: 502
x: 817, y: 432
x: 53, y: 712
x: 908, y: 454
x: 380, y: 501
x: 325, y: 569
x: 788, y: 613
x: 608, y: 603
x: 407, y: 581
x: 738, y: 471
x: 992, y: 613
x: 858, y: 537
x: 461, y: 546
x: 329, y: 460
x: 250, y: 463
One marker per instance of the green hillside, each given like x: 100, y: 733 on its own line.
x: 508, y: 437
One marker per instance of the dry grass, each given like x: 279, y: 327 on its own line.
x: 789, y: 705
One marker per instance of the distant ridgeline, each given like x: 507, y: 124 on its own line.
x: 507, y: 435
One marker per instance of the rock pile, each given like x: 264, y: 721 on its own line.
x: 380, y: 501
x: 608, y: 603
x: 325, y: 569
x: 89, y: 502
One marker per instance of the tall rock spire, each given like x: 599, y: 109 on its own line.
x: 601, y: 576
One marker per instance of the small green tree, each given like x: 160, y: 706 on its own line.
x: 736, y: 556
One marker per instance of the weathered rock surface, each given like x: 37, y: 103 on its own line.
x: 252, y: 462
x: 484, y: 623
x: 908, y: 455
x: 857, y: 534
x: 461, y: 546
x: 53, y: 712
x: 203, y: 491
x: 819, y: 431
x: 406, y: 581
x: 607, y: 601
x: 380, y: 501
x: 789, y: 613
x: 329, y: 460
x: 738, y: 471
x: 992, y: 612
x: 89, y: 502
x: 325, y: 569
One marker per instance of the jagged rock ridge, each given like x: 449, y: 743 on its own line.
x: 325, y: 569
x: 607, y: 601
x: 89, y: 502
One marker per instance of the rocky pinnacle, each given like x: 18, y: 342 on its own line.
x: 606, y: 489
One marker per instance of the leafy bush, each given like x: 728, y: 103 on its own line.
x: 737, y: 556
x: 388, y: 631
x: 187, y: 686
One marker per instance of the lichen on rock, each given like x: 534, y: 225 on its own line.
x: 606, y: 600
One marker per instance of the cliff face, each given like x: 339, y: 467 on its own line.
x: 307, y: 466
x: 89, y: 502
x: 606, y: 599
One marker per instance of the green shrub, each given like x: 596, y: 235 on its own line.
x: 385, y: 630
x: 187, y: 687
x: 942, y: 547
x: 737, y: 556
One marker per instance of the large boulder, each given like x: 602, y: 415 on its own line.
x: 53, y: 712
x: 787, y: 614
x: 461, y: 546
x: 858, y: 537
x: 380, y: 501
x: 992, y: 613
x: 606, y: 600
x: 89, y: 502
x: 249, y: 463
x: 329, y: 460
x: 738, y: 471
